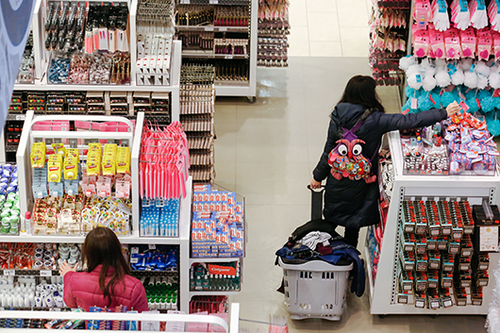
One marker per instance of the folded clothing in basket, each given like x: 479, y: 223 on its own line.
x: 342, y: 254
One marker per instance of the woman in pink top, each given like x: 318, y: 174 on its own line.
x: 107, y: 281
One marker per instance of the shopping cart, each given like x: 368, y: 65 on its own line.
x: 315, y: 289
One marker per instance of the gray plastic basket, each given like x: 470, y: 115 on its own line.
x: 315, y: 289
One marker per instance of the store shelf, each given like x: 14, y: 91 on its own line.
x: 215, y: 2
x: 18, y: 117
x: 28, y: 272
x: 475, y: 189
x: 213, y: 293
x: 211, y: 55
x: 81, y: 239
x: 210, y: 28
x: 199, y: 260
x: 43, y: 86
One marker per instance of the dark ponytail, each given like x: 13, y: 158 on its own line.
x: 361, y: 90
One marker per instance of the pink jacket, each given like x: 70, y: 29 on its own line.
x: 82, y: 290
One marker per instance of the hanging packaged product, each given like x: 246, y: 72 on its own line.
x: 38, y: 152
x: 163, y: 168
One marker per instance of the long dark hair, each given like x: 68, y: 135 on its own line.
x: 361, y: 90
x: 102, y: 247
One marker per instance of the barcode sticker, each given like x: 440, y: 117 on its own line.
x: 45, y: 272
x: 9, y: 272
x: 20, y: 117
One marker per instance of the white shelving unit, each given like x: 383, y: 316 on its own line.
x: 231, y: 88
x: 134, y: 136
x: 231, y: 327
x: 383, y: 292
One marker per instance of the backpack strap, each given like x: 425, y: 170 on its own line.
x: 360, y: 123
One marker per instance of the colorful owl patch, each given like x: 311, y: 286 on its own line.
x: 347, y: 159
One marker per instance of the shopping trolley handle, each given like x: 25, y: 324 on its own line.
x: 316, y: 190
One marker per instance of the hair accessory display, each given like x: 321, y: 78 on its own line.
x: 273, y: 27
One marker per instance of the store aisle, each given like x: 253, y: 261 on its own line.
x: 266, y: 152
x: 329, y: 28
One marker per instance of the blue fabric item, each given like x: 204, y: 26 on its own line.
x: 340, y: 251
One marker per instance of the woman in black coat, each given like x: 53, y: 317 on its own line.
x: 354, y: 203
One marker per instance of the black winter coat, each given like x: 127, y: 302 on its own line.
x: 354, y: 203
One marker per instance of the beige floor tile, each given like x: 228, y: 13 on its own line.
x: 354, y: 41
x: 299, y: 42
x: 325, y: 49
x: 321, y: 6
x: 225, y: 172
x: 277, y: 182
x: 323, y: 27
x: 298, y: 13
x: 352, y: 13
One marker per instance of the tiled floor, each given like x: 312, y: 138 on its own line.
x: 266, y: 152
x: 329, y: 28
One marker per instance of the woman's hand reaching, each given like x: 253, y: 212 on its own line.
x: 65, y: 268
x: 452, y: 108
x: 315, y: 184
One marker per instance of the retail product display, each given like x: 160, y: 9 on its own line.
x: 26, y: 69
x: 64, y: 205
x: 197, y: 99
x: 459, y: 145
x: 9, y: 200
x: 438, y: 265
x: 221, y: 34
x: 215, y: 277
x: 163, y: 166
x: 162, y: 292
x: 89, y: 43
x: 154, y: 42
x: 210, y: 304
x: 218, y: 224
x: 388, y: 35
x: 30, y: 256
x: 153, y: 258
x: 274, y: 27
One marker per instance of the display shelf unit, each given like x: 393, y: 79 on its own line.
x: 369, y: 271
x: 133, y: 136
x: 383, y: 298
x: 229, y: 88
x: 43, y: 85
x: 231, y: 327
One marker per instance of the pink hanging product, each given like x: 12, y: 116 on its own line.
x: 436, y: 39
x: 421, y: 13
x: 484, y: 43
x: 164, y: 162
x: 468, y: 41
x: 452, y: 44
x: 421, y: 43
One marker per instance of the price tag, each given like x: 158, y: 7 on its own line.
x: 20, y: 117
x: 228, y: 57
x: 152, y: 246
x: 9, y: 272
x: 185, y: 2
x: 213, y: 2
x: 222, y: 29
x: 134, y: 260
x: 209, y: 28
x: 45, y: 272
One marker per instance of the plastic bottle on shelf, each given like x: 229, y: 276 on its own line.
x: 26, y: 223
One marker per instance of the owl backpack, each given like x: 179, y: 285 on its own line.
x: 347, y: 159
